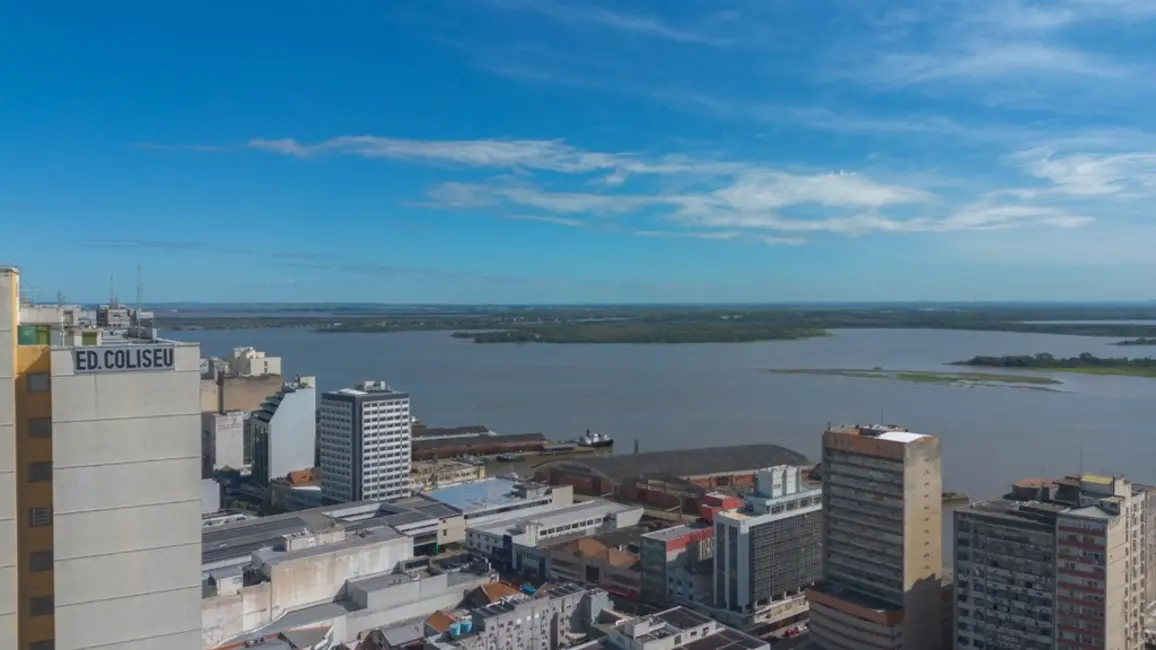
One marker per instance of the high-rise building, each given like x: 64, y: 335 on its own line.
x: 770, y: 550
x: 882, y: 541
x: 106, y: 492
x: 1054, y: 564
x: 284, y: 431
x: 9, y: 557
x: 365, y: 443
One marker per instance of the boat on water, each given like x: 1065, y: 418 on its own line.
x: 595, y: 439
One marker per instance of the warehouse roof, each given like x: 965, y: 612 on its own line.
x: 420, y: 443
x: 685, y: 462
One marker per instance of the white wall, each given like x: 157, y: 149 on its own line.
x: 126, y: 453
x: 8, y: 308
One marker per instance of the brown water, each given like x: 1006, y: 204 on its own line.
x: 686, y: 396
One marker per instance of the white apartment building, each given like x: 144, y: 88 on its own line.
x: 768, y: 552
x: 284, y: 431
x: 249, y: 362
x: 106, y: 487
x: 365, y: 435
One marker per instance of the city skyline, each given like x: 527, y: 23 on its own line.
x: 507, y: 151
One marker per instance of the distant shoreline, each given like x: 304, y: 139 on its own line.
x: 924, y: 377
x: 1084, y: 363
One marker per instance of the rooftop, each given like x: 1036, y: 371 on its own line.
x: 674, y: 532
x: 888, y: 432
x: 422, y: 442
x: 668, y: 623
x: 686, y: 462
x: 422, y: 431
x: 477, y: 495
x: 376, y: 388
x: 238, y: 540
x: 553, y: 516
x: 855, y: 597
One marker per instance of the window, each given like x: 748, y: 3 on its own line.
x: 41, y: 605
x: 42, y: 645
x: 40, y: 516
x: 40, y: 471
x: 40, y: 561
x: 39, y: 382
x: 40, y: 428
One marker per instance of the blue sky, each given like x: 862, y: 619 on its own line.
x: 557, y: 151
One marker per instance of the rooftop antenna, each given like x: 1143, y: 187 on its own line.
x: 139, y: 293
x: 1081, y: 465
x: 111, y: 293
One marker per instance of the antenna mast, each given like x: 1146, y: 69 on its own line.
x: 139, y: 293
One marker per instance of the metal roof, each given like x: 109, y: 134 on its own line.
x: 684, y: 462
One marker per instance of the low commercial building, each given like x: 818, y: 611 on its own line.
x: 513, y: 541
x: 552, y: 618
x: 668, y: 479
x: 430, y: 475
x: 363, y: 604
x: 500, y: 496
x: 678, y: 628
x: 666, y: 556
x: 606, y: 560
x: 299, y: 490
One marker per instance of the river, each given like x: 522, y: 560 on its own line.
x: 686, y: 396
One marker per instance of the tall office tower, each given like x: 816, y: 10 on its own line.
x: 365, y: 437
x: 9, y: 316
x: 882, y: 543
x: 284, y: 431
x: 1053, y: 565
x: 107, y: 457
x: 768, y: 552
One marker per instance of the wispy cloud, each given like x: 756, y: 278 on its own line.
x: 144, y: 244
x: 1131, y: 175
x: 587, y: 14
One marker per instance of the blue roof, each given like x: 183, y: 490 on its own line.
x: 477, y: 495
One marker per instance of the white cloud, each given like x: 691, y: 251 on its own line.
x: 1088, y: 175
x: 648, y: 26
x: 725, y: 235
x: 497, y: 153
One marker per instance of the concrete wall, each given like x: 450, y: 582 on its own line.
x: 210, y: 496
x: 293, y: 433
x: 126, y: 478
x: 317, y: 578
x: 246, y: 393
x: 9, y: 309
x: 223, y: 436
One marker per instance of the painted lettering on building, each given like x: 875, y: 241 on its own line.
x: 124, y: 358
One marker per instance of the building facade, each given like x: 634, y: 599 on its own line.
x: 882, y: 541
x: 223, y: 440
x: 365, y: 435
x: 772, y: 548
x: 1054, y: 564
x: 284, y: 431
x: 9, y: 556
x: 248, y: 362
x: 107, y: 487
x: 663, y: 553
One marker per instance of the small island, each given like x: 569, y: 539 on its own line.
x: 1084, y: 363
x: 923, y: 377
x: 643, y: 332
x: 1143, y: 340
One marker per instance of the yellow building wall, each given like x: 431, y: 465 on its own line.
x: 32, y: 359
